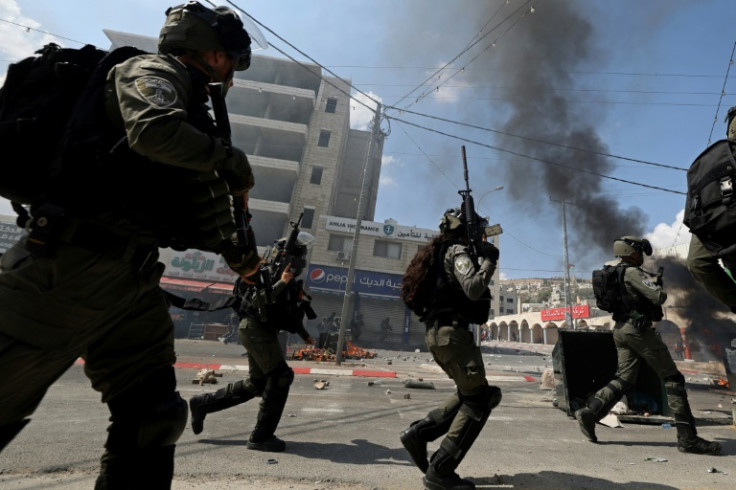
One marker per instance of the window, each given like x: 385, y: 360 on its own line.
x: 324, y: 138
x: 308, y: 218
x: 331, y: 105
x: 316, y: 177
x: 509, y: 300
x: 340, y: 243
x: 382, y: 248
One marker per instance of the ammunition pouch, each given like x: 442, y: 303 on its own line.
x: 51, y: 226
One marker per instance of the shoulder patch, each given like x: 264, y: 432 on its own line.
x: 648, y: 283
x: 156, y: 90
x: 463, y: 264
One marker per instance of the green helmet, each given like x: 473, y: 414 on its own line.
x: 627, y: 245
x: 192, y: 27
x: 731, y: 123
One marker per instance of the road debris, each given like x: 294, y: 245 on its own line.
x: 206, y: 376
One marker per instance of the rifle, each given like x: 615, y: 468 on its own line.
x: 240, y: 212
x: 474, y: 232
x: 290, y: 255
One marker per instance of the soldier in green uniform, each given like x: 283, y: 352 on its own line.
x: 265, y: 307
x: 638, y: 342
x: 84, y: 281
x: 461, y: 297
x: 703, y: 265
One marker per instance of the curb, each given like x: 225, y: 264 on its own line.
x: 297, y: 370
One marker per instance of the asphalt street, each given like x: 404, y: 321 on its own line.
x: 342, y: 431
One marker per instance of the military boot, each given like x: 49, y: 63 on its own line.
x: 587, y: 418
x: 271, y: 444
x: 415, y: 445
x: 689, y: 442
x: 441, y: 472
x: 229, y: 396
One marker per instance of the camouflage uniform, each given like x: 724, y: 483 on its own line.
x: 704, y: 267
x: 462, y: 416
x: 637, y: 341
x: 264, y: 311
x: 95, y: 293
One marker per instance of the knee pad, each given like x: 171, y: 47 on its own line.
x: 281, y: 377
x: 675, y: 385
x: 164, y: 424
x: 149, y: 415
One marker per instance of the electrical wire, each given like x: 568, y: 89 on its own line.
x: 474, y: 126
x: 723, y: 93
x: 577, y: 169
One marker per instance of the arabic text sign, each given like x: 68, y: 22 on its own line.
x: 364, y: 282
x: 578, y: 311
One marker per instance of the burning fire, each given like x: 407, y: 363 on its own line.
x: 351, y: 351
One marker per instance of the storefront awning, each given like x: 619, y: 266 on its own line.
x: 191, y: 285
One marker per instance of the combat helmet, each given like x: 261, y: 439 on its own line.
x: 302, y: 245
x: 627, y: 245
x: 731, y: 123
x: 454, y: 222
x: 192, y: 27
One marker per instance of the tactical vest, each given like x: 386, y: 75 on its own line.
x: 281, y: 311
x: 636, y: 303
x: 182, y: 208
x: 449, y: 300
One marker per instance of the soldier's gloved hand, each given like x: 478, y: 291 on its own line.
x: 245, y: 263
x: 489, y: 251
x: 236, y: 171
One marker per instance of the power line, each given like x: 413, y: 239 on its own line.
x: 723, y: 92
x: 474, y: 126
x: 577, y: 169
x: 29, y: 28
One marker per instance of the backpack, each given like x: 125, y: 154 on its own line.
x: 710, y: 205
x: 38, y: 97
x: 607, y: 287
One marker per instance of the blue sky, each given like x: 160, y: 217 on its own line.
x: 591, y: 102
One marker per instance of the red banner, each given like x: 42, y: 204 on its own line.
x: 578, y: 311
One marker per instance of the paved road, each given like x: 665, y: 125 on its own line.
x: 345, y: 436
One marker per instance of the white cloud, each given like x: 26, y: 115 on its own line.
x: 19, y: 35
x: 389, y: 167
x: 665, y: 236
x: 361, y: 116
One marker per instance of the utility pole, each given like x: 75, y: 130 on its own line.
x: 566, y: 265
x: 376, y: 135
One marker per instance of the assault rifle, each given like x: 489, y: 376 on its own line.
x: 472, y: 225
x: 290, y: 254
x: 240, y: 212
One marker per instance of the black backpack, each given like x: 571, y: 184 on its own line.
x: 608, y: 284
x: 37, y: 100
x: 710, y: 206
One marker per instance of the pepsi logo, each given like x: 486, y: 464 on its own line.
x: 317, y: 275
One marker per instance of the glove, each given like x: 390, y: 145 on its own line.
x: 236, y: 171
x: 489, y: 251
x: 244, y: 263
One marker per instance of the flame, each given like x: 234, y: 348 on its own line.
x: 351, y: 351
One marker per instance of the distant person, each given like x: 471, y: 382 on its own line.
x: 637, y: 342
x: 386, y: 328
x: 459, y: 297
x: 356, y: 326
